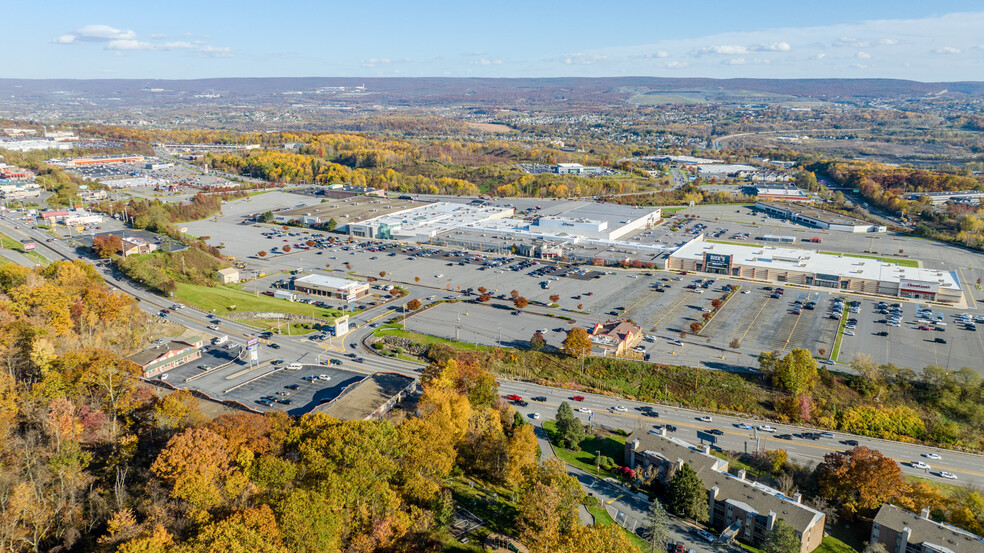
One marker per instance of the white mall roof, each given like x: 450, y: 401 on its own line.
x: 330, y: 282
x: 809, y: 261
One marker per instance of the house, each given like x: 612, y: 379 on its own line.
x: 159, y: 359
x: 616, y: 336
x: 228, y: 275
x: 901, y: 531
x: 737, y: 507
x: 134, y: 245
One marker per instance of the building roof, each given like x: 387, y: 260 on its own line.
x: 712, y: 471
x: 925, y: 530
x: 616, y: 330
x: 228, y: 271
x: 148, y: 357
x: 330, y: 282
x: 817, y: 214
x: 360, y: 401
x: 810, y: 261
x: 779, y: 191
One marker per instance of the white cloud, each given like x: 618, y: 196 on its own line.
x: 947, y: 50
x: 484, y: 61
x: 863, y: 56
x: 373, y: 62
x: 724, y: 50
x: 658, y: 54
x: 774, y: 47
x: 888, y: 42
x: 584, y: 59
x: 852, y: 42
x: 819, y: 56
x: 124, y: 40
x: 744, y: 61
x: 676, y: 64
x: 859, y: 66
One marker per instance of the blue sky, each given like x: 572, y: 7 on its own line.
x: 927, y: 41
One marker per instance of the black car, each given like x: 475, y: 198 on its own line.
x: 882, y: 333
x: 285, y: 401
x: 715, y: 432
x: 352, y: 355
x: 670, y: 428
x: 940, y: 340
x: 853, y: 443
x: 652, y: 414
x: 293, y: 386
x: 784, y: 436
x: 538, y: 398
x: 521, y: 403
x: 274, y: 346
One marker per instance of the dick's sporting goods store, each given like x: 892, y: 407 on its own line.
x: 717, y: 264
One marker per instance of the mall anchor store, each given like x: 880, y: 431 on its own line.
x: 811, y: 268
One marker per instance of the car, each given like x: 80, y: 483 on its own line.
x: 277, y: 362
x: 538, y: 398
x: 852, y: 443
x: 698, y: 291
x: 766, y: 428
x: 940, y: 340
x: 705, y: 418
x: 584, y: 410
x: 948, y: 475
x: 705, y: 535
x: 163, y: 376
x: 285, y: 401
x: 827, y: 435
x: 292, y: 386
x: 513, y: 397
x: 715, y: 432
x: 881, y: 333
x: 578, y: 398
x: 922, y: 327
x: 920, y: 465
x: 273, y: 345
x: 213, y: 327
x: 745, y: 426
x: 535, y: 416
x: 746, y: 291
x: 324, y: 377
x: 619, y: 409
x: 827, y: 362
x: 653, y: 414
x: 848, y: 333
x: 784, y: 436
x: 677, y: 343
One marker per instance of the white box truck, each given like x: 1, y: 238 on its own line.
x: 285, y: 295
x: 219, y: 340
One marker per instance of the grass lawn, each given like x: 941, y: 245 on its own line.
x: 898, y: 260
x: 492, y: 503
x: 585, y: 459
x: 220, y: 298
x: 602, y: 518
x: 840, y: 334
x: 425, y: 339
x: 665, y: 210
x: 831, y: 544
x: 40, y: 259
x: 11, y: 244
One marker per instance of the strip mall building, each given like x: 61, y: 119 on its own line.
x: 811, y: 268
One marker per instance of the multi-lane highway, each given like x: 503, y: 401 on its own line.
x: 968, y: 468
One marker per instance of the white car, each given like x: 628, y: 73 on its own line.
x: 213, y: 327
x: 766, y: 428
x: 935, y: 456
x: 536, y: 416
x: 745, y: 426
x: 705, y: 418
x: 584, y: 410
x: 698, y: 291
x: 948, y: 475
x: 620, y: 408
x: 163, y: 376
x: 746, y: 291
x: 848, y: 333
x: 324, y: 377
x: 920, y: 465
x: 439, y: 276
x: 677, y: 343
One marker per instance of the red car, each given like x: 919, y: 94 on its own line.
x: 513, y: 397
x: 578, y: 398
x: 923, y: 327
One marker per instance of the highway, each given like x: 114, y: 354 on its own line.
x: 969, y: 468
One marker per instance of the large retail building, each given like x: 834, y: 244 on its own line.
x: 796, y: 266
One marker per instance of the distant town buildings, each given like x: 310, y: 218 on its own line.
x: 940, y: 198
x: 781, y: 193
x: 97, y: 160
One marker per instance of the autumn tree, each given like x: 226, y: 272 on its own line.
x: 520, y: 302
x: 795, y: 373
x: 106, y: 245
x: 413, y: 304
x: 554, y: 298
x: 695, y: 327
x: 686, y: 494
x: 484, y: 298
x: 286, y: 248
x: 716, y: 303
x: 860, y: 480
x: 538, y: 342
x: 577, y: 344
x: 194, y: 463
x: 261, y: 253
x: 482, y: 289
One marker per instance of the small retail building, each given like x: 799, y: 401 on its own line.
x: 819, y: 218
x: 338, y: 288
x: 901, y: 531
x: 616, y: 337
x: 228, y: 275
x: 134, y: 245
x: 158, y: 360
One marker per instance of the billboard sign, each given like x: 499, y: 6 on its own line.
x: 252, y: 341
x: 706, y: 437
x: 29, y: 246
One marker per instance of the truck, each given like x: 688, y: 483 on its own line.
x: 285, y: 295
x: 219, y: 340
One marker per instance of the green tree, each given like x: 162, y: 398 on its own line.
x: 267, y: 217
x: 795, y: 373
x: 332, y: 224
x: 537, y: 342
x: 687, y: 496
x: 656, y: 529
x: 781, y: 539
x: 570, y: 430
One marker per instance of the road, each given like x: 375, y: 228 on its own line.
x: 969, y: 468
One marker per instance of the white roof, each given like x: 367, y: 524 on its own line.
x: 810, y: 261
x: 330, y: 282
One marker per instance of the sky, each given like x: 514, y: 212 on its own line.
x: 177, y: 39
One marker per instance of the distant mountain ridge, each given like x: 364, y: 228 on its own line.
x: 426, y: 90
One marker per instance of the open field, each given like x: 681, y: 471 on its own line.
x: 231, y: 298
